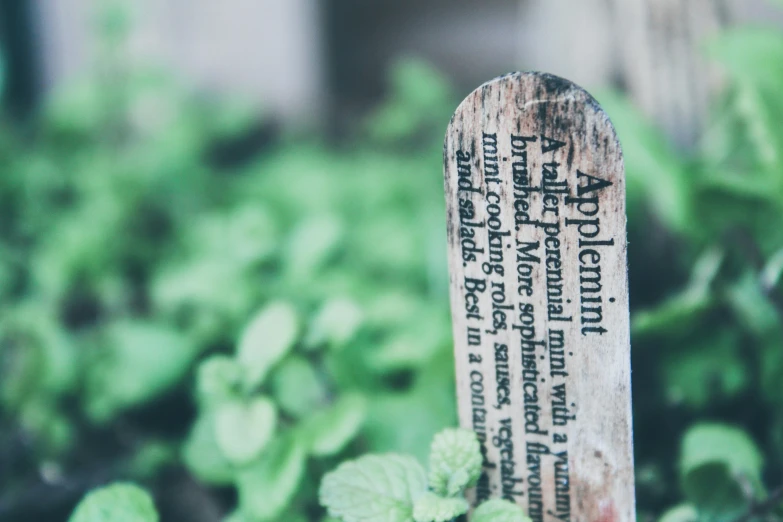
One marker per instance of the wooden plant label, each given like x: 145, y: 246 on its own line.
x: 535, y: 195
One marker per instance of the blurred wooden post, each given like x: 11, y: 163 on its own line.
x: 652, y: 48
x: 535, y: 199
x: 663, y: 62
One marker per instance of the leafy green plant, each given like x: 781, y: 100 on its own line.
x: 395, y: 487
x: 711, y: 344
x: 119, y: 502
x: 263, y: 411
x: 720, y: 470
x: 135, y: 255
x: 146, y: 232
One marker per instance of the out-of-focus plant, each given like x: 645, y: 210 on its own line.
x: 116, y: 503
x: 143, y: 228
x: 266, y: 409
x: 706, y: 242
x: 194, y: 301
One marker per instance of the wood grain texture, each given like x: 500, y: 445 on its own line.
x: 663, y: 61
x: 535, y: 194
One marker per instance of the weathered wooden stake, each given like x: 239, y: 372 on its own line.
x: 535, y: 194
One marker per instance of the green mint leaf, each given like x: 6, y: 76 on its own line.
x: 374, y: 488
x: 297, y: 388
x: 136, y: 362
x: 328, y: 431
x: 243, y: 236
x: 267, y: 486
x: 336, y: 323
x: 266, y: 340
x: 243, y: 429
x: 414, y: 346
x: 218, y: 379
x: 681, y: 513
x: 116, y: 503
x: 499, y: 510
x: 455, y: 461
x: 433, y: 508
x: 202, y: 455
x: 312, y: 243
x: 713, y: 459
x: 707, y: 443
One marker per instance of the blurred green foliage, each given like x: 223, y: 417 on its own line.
x: 222, y: 312
x: 705, y: 254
